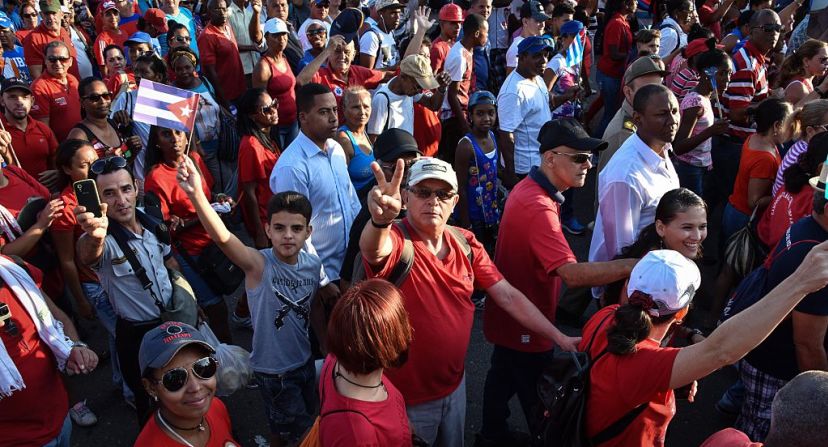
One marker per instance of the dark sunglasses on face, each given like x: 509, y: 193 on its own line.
x: 314, y: 32
x: 54, y: 59
x: 579, y: 158
x: 770, y: 27
x: 175, y: 379
x: 268, y: 109
x: 95, y: 97
x: 108, y: 164
x: 425, y: 193
x: 181, y: 39
x: 392, y: 166
x: 27, y: 16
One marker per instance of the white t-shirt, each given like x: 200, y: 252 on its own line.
x: 498, y: 31
x: 455, y: 66
x: 303, y: 30
x: 401, y: 110
x: 669, y: 38
x: 377, y: 43
x: 512, y: 52
x: 522, y: 109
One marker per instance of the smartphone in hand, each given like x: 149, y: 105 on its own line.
x: 87, y: 193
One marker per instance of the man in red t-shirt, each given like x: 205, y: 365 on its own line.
x: 36, y: 361
x: 220, y: 59
x: 49, y: 30
x: 448, y: 265
x: 33, y: 143
x: 537, y: 263
x: 56, y: 99
x: 110, y: 35
x: 451, y: 17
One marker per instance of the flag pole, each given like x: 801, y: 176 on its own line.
x: 11, y: 147
x: 190, y: 135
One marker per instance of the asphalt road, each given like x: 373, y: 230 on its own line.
x: 117, y: 425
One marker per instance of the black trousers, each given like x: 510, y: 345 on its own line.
x: 128, y: 336
x: 511, y: 372
x: 451, y: 135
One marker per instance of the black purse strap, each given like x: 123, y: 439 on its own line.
x: 138, y: 269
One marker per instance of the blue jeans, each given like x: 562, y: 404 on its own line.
x: 511, y: 372
x: 290, y: 400
x: 204, y: 294
x: 65, y: 435
x: 610, y: 88
x: 441, y: 422
x: 284, y: 135
x: 98, y: 299
x: 690, y: 176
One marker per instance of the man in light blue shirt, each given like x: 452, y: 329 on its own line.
x: 315, y: 166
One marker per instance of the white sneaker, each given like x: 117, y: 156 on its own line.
x: 82, y: 415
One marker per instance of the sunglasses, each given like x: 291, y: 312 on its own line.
x: 175, y: 379
x: 392, y: 166
x: 425, y: 193
x: 95, y: 97
x: 181, y: 39
x: 268, y: 109
x: 770, y: 28
x: 579, y: 158
x: 316, y: 31
x: 54, y: 59
x: 28, y: 16
x: 108, y: 164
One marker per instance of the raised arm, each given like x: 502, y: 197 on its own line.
x: 384, y: 203
x: 91, y: 243
x: 248, y: 259
x: 306, y: 75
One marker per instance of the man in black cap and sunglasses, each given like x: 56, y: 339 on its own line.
x: 138, y: 309
x: 537, y: 263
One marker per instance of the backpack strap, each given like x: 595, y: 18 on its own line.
x: 772, y: 257
x: 618, y: 426
x: 388, y: 109
x: 119, y: 234
x: 464, y: 243
x: 400, y: 271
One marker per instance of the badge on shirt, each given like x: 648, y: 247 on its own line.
x: 629, y: 125
x: 61, y: 101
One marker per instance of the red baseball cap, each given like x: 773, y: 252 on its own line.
x: 156, y: 18
x: 451, y: 13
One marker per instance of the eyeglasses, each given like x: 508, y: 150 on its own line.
x: 175, y: 379
x: 181, y: 39
x: 425, y: 193
x: 95, y: 97
x: 268, y: 109
x: 108, y: 164
x: 578, y: 158
x: 61, y: 59
x: 313, y: 32
x: 770, y: 28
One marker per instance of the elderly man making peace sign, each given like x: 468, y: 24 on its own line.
x: 449, y: 263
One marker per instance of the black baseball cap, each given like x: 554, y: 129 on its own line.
x: 533, y: 9
x: 568, y: 132
x: 13, y: 83
x: 347, y: 25
x: 393, y: 144
x: 162, y: 343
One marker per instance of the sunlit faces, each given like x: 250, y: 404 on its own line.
x: 277, y: 9
x: 288, y: 232
x: 277, y: 42
x: 181, y: 38
x: 817, y: 65
x: 114, y: 60
x: 425, y: 209
x: 172, y: 144
x: 650, y: 47
x: 29, y: 16
x: 685, y: 232
x: 193, y: 400
x: 357, y: 108
x: 97, y: 100
x: 17, y: 102
x: 117, y: 190
x: 137, y: 50
x: 317, y: 36
x: 267, y: 111
x: 481, y: 7
x: 58, y: 61
x: 660, y: 118
x: 321, y: 121
x: 111, y: 18
x: 483, y: 116
x: 83, y: 159
x: 569, y: 166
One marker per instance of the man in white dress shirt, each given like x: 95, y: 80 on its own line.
x: 314, y: 165
x: 634, y: 180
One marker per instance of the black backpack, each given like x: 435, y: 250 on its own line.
x: 563, y: 388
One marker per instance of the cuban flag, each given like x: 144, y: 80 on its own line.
x: 575, y: 53
x: 166, y: 106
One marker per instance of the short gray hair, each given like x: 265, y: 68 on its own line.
x: 799, y: 412
x: 55, y: 44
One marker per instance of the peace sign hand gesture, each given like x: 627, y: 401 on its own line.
x: 384, y: 202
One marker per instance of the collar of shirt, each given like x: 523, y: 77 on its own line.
x: 627, y: 107
x: 650, y: 157
x: 310, y: 149
x: 754, y: 52
x: 538, y: 176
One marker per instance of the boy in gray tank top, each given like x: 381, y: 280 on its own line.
x: 282, y: 284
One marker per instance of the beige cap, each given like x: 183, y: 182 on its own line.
x: 432, y: 168
x: 419, y: 68
x: 644, y: 65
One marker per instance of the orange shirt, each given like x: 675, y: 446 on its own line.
x: 58, y: 102
x: 34, y: 147
x: 104, y: 39
x: 756, y: 164
x: 218, y: 47
x: 35, y: 43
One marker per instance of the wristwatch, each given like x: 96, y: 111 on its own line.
x: 79, y: 344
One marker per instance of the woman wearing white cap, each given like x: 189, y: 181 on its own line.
x: 179, y: 374
x: 632, y: 377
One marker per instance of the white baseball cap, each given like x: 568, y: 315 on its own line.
x: 668, y: 278
x: 275, y: 26
x: 432, y: 168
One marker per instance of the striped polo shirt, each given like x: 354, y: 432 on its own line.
x: 748, y: 85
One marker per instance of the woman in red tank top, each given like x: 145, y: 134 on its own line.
x: 273, y: 73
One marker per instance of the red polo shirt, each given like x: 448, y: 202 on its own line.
x: 35, y: 43
x: 24, y: 419
x: 104, y: 39
x: 218, y: 47
x: 748, y: 85
x: 256, y: 162
x: 68, y: 223
x: 528, y: 260
x: 58, y: 102
x: 34, y: 147
x: 357, y: 75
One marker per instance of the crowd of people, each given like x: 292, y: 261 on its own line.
x: 362, y: 178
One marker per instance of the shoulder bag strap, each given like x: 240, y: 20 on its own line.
x: 138, y: 269
x: 618, y: 426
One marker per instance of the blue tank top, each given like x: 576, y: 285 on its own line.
x: 360, y: 166
x: 481, y: 188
